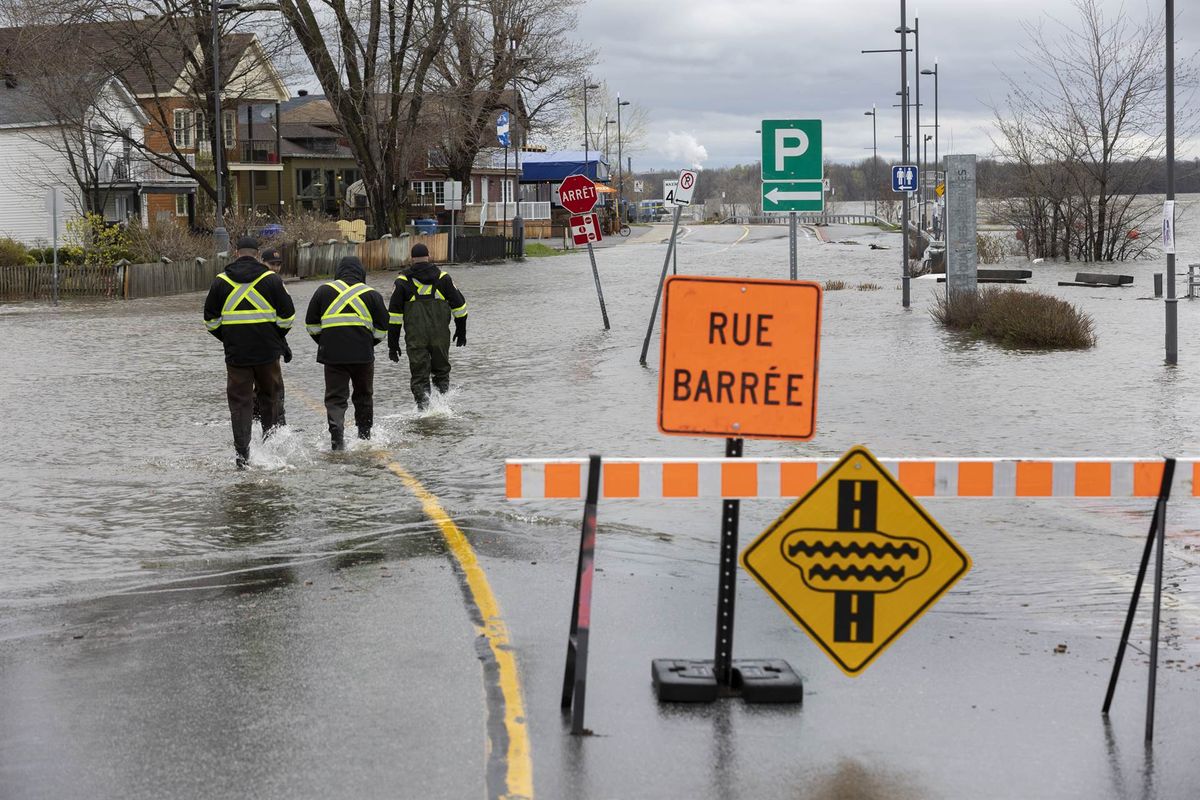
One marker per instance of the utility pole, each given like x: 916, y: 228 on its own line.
x: 1172, y: 303
x: 904, y: 30
x: 917, y: 126
x: 874, y: 115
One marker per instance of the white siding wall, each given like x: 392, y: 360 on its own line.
x: 28, y: 167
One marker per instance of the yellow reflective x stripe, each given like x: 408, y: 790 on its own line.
x: 347, y: 308
x: 261, y: 311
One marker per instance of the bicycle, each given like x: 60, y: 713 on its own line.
x: 625, y: 230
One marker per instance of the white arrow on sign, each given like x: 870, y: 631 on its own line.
x: 777, y: 196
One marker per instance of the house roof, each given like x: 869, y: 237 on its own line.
x: 31, y: 103
x: 151, y: 55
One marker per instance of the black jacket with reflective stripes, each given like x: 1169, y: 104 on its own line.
x: 424, y: 282
x: 253, y: 333
x: 341, y: 336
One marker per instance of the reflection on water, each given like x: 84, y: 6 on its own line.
x: 852, y: 779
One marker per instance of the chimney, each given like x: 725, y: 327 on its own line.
x: 302, y: 93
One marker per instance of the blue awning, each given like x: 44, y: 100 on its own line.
x: 553, y: 167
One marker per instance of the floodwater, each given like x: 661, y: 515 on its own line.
x: 126, y: 525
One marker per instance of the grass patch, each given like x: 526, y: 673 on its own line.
x: 1016, y: 318
x: 539, y: 250
x: 868, y: 287
x: 835, y: 286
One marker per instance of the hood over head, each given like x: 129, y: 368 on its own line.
x: 424, y: 271
x: 351, y: 270
x: 245, y: 269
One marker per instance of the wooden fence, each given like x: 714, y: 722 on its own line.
x: 134, y: 281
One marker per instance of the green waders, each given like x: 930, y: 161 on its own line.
x: 427, y: 341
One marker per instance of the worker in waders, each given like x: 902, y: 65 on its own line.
x: 423, y: 301
x: 347, y: 318
x: 274, y: 261
x: 248, y: 309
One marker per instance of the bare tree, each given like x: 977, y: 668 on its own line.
x: 373, y: 63
x: 513, y: 55
x: 1085, y: 124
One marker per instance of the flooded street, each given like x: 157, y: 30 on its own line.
x: 173, y: 628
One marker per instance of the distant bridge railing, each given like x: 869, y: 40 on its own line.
x: 809, y: 219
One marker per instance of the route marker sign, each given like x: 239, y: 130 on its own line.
x: 904, y: 178
x: 585, y: 228
x: 855, y: 561
x: 577, y: 194
x: 739, y: 358
x: 793, y: 165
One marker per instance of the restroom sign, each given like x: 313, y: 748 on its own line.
x: 739, y: 358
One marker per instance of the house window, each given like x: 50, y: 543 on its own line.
x: 181, y: 205
x: 185, y: 123
x: 308, y: 183
x: 260, y: 180
x: 424, y: 190
x: 506, y: 193
x: 229, y: 127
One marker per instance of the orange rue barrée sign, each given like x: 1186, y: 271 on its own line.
x: 739, y: 358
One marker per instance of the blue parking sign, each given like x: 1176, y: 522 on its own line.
x: 904, y: 178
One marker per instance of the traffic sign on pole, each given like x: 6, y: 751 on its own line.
x: 685, y: 187
x: 585, y: 228
x: 577, y: 194
x: 856, y: 561
x: 904, y: 178
x: 792, y: 165
x: 739, y: 358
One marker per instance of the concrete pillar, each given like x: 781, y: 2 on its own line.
x: 962, y: 256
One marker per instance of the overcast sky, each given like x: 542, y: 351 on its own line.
x: 708, y: 71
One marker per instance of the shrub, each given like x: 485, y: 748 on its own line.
x: 834, y: 286
x: 100, y: 243
x: 167, y: 239
x: 13, y: 253
x: 991, y: 248
x: 869, y: 287
x: 1016, y: 318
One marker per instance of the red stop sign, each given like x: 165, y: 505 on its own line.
x: 577, y: 194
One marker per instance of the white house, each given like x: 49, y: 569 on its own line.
x: 55, y: 136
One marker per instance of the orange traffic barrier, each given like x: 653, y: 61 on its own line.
x: 706, y: 478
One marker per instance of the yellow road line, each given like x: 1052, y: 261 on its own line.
x: 520, y: 766
x: 518, y: 759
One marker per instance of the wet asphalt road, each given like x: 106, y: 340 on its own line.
x: 299, y: 631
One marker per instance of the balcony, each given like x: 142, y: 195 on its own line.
x: 141, y: 171
x: 531, y: 210
x: 256, y: 152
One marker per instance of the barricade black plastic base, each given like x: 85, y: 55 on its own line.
x: 755, y: 680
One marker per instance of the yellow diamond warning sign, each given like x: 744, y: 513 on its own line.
x: 856, y: 561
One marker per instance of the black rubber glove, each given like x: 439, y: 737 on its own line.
x: 394, y: 355
x: 287, y: 353
x: 460, y: 331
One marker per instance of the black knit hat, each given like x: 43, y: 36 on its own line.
x: 420, y: 251
x: 247, y: 243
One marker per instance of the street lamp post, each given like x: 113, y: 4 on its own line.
x: 220, y: 234
x: 620, y: 174
x: 917, y: 108
x: 518, y: 223
x: 874, y: 156
x: 937, y: 129
x: 586, y: 86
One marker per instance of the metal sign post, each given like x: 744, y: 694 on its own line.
x: 54, y: 205
x: 599, y: 291
x: 792, y: 268
x: 661, y: 280
x: 575, y: 673
x: 577, y: 194
x: 1156, y: 536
